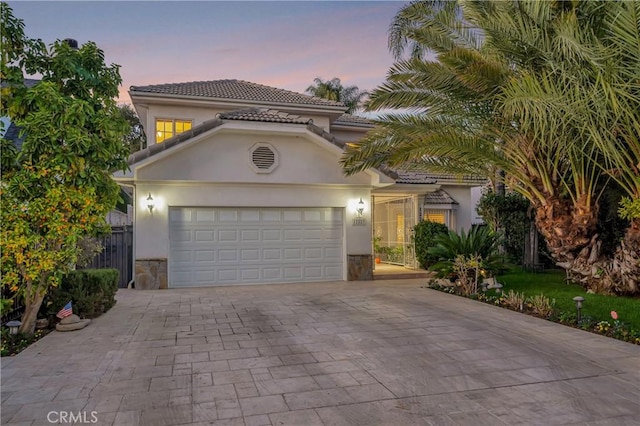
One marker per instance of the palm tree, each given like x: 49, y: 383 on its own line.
x: 549, y: 92
x: 333, y: 90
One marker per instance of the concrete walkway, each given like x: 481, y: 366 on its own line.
x: 356, y: 353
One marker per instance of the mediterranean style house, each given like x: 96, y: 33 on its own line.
x: 241, y: 184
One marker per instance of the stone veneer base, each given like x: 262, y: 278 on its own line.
x: 151, y: 274
x: 359, y: 267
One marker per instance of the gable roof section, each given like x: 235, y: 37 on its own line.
x: 247, y: 114
x: 353, y: 120
x: 439, y: 196
x: 234, y: 90
x: 266, y: 115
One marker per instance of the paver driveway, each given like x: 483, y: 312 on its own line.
x: 357, y: 353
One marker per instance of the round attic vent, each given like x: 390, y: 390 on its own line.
x: 264, y: 158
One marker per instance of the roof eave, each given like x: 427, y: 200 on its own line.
x: 173, y: 99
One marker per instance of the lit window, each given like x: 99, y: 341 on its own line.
x: 166, y: 128
x: 438, y: 216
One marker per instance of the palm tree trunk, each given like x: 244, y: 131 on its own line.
x: 567, y: 227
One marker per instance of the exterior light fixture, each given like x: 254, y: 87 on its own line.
x: 360, y: 209
x: 578, y: 301
x: 13, y: 327
x: 150, y: 203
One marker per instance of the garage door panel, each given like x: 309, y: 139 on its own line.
x: 227, y: 275
x: 312, y: 234
x: 250, y: 235
x: 222, y: 246
x: 204, y: 216
x: 293, y: 273
x: 205, y: 236
x: 271, y: 254
x: 228, y: 255
x: 271, y: 216
x: 204, y: 255
x: 293, y: 254
x: 292, y: 216
x: 225, y: 216
x: 226, y: 235
x: 249, y: 215
x: 250, y: 274
x: 248, y: 255
x: 271, y: 235
x: 332, y: 253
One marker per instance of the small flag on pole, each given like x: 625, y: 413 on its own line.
x: 66, y: 311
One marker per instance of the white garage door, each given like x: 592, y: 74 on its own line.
x: 222, y: 246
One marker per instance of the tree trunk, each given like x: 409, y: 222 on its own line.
x: 570, y: 232
x: 32, y: 302
x: 30, y: 314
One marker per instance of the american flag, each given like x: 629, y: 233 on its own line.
x: 65, y: 312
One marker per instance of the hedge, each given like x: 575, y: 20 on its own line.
x: 92, y: 292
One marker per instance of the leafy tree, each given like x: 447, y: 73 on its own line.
x: 548, y: 92
x: 507, y: 214
x: 425, y: 233
x: 333, y: 90
x: 57, y: 187
x: 135, y: 139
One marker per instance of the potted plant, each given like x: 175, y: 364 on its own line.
x: 377, y: 249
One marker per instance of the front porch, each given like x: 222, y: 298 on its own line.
x: 386, y: 271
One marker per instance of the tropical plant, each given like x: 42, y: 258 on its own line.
x: 547, y: 92
x: 479, y: 245
x: 333, y: 90
x: 57, y: 187
x: 424, y: 234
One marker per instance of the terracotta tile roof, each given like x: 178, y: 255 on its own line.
x: 235, y: 89
x: 171, y: 142
x: 264, y: 114
x: 350, y: 120
x: 406, y: 176
x: 439, y: 197
x: 417, y: 177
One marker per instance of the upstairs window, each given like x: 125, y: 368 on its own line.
x: 167, y: 128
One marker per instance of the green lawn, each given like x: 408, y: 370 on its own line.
x: 552, y: 284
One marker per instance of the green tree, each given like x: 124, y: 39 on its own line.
x: 333, y: 90
x: 546, y: 91
x: 135, y: 139
x: 57, y: 187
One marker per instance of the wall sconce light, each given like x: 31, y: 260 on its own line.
x: 13, y: 327
x: 360, y: 209
x: 578, y: 301
x: 150, y: 203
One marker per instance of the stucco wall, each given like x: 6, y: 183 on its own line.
x: 198, y: 115
x: 464, y: 213
x: 224, y: 156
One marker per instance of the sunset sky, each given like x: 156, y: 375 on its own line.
x: 285, y: 44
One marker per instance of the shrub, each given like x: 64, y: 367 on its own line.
x: 92, y: 292
x: 425, y: 233
x: 479, y: 244
x: 541, y: 305
x: 514, y: 300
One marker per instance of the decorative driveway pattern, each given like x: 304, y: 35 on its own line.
x: 355, y: 353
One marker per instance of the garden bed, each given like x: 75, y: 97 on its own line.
x: 547, y: 295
